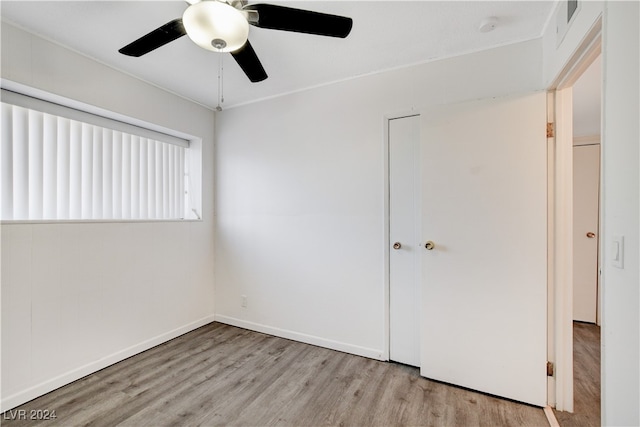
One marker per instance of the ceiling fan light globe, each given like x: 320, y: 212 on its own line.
x: 208, y: 22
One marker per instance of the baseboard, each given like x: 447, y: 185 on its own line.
x: 37, y: 390
x: 297, y: 336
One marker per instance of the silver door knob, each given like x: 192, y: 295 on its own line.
x: 429, y: 245
x: 397, y: 245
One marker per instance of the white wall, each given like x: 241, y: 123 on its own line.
x: 300, y: 195
x: 79, y: 296
x: 621, y: 193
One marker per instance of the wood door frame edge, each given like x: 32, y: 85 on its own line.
x: 560, y: 227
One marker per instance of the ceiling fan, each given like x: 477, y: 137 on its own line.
x: 223, y: 26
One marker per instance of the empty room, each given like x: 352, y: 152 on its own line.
x: 309, y: 213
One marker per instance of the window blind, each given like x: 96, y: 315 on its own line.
x: 55, y: 167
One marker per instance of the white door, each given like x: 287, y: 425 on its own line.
x: 586, y: 184
x: 484, y: 289
x: 404, y: 340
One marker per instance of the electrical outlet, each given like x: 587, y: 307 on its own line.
x: 244, y: 301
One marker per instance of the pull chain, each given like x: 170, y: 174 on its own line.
x: 220, y: 80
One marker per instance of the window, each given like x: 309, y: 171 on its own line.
x: 53, y: 166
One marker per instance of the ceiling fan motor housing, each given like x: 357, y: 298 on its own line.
x: 216, y: 26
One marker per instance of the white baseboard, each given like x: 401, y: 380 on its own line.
x: 297, y: 336
x: 44, y: 387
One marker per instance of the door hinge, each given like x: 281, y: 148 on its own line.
x: 550, y: 130
x: 549, y: 369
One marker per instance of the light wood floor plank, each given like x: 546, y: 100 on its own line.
x: 586, y: 378
x: 219, y: 375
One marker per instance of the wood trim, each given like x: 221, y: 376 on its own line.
x: 551, y: 344
x: 585, y: 54
x: 563, y: 249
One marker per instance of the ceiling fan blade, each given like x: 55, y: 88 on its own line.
x: 155, y: 39
x: 248, y: 60
x: 302, y: 21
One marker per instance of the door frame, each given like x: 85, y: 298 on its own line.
x: 387, y: 226
x: 560, y: 217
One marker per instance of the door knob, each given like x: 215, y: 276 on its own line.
x: 429, y: 245
x: 591, y: 234
x: 397, y: 245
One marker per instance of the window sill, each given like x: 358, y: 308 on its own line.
x: 92, y: 221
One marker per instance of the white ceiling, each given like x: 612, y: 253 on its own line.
x: 385, y: 35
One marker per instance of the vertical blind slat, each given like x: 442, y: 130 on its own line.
x: 126, y: 176
x: 143, y: 198
x: 20, y: 163
x: 57, y: 168
x: 166, y: 187
x: 159, y: 181
x: 35, y: 154
x: 96, y: 180
x: 6, y: 162
x: 49, y: 166
x: 75, y: 170
x: 151, y: 176
x: 135, y: 177
x: 87, y: 172
x: 117, y: 175
x: 107, y: 173
x: 172, y: 181
x: 64, y: 169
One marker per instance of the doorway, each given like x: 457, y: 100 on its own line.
x: 587, y: 106
x: 581, y: 75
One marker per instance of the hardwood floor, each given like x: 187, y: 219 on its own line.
x: 222, y: 375
x: 586, y: 381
